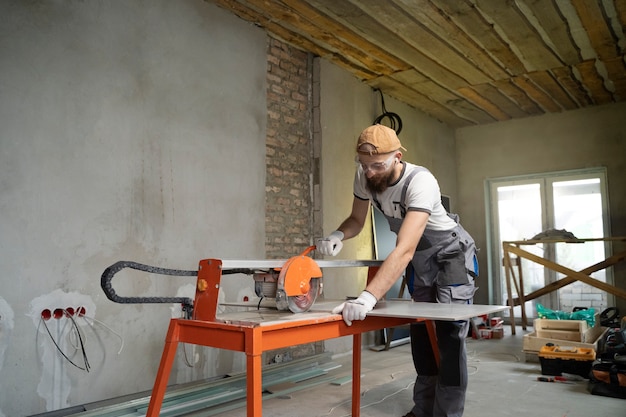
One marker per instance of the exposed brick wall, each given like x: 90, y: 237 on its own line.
x: 288, y: 205
x: 289, y: 164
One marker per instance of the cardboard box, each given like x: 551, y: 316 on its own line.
x: 484, y: 333
x: 570, y: 330
x: 497, y: 333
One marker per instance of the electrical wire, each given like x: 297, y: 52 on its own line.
x: 185, y: 357
x: 77, y: 338
x: 80, y: 339
x: 375, y: 402
x: 93, y: 319
x: 85, y: 368
x: 395, y: 122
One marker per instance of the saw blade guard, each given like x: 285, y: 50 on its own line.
x: 299, y: 283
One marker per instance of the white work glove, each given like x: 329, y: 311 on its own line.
x: 356, y: 309
x: 330, y: 245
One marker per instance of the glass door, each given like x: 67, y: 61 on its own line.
x: 523, y: 207
x: 579, y: 208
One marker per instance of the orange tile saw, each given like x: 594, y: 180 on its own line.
x: 294, y: 286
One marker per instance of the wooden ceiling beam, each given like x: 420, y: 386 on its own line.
x: 514, y: 93
x: 521, y: 34
x: 464, y: 14
x: 616, y: 69
x: 547, y: 83
x: 290, y: 26
x: 592, y: 18
x: 505, y: 102
x: 417, y: 82
x: 593, y: 82
x: 405, y: 94
x: 555, y: 26
x: 344, y: 35
x: 436, y: 21
x: 357, y: 20
x: 404, y: 27
x: 463, y: 62
x: 566, y: 78
x: 620, y: 10
x: 537, y: 94
x: 480, y: 101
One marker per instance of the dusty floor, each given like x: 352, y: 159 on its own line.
x: 502, y: 383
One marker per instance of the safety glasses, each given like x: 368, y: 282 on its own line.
x: 375, y: 166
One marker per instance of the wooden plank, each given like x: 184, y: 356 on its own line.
x: 451, y: 100
x: 465, y: 15
x: 537, y: 94
x: 556, y: 28
x: 334, y: 30
x: 620, y: 10
x: 322, y: 42
x: 616, y: 70
x: 545, y: 80
x: 406, y: 94
x: 277, y: 31
x: 373, y: 32
x: 594, y: 82
x: 439, y: 23
x: 503, y: 101
x: 509, y: 89
x: 592, y: 18
x: 569, y: 272
x: 480, y: 101
x: 566, y: 78
x: 418, y: 82
x: 411, y: 31
x: 514, y: 24
x: 553, y: 286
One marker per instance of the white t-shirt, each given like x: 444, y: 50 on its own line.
x: 422, y: 194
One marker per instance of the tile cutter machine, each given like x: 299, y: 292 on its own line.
x: 292, y: 285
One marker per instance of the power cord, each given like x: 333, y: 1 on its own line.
x: 395, y: 122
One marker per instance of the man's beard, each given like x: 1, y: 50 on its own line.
x: 377, y: 184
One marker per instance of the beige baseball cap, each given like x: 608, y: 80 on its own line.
x: 378, y: 139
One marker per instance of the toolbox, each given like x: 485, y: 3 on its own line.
x: 556, y: 360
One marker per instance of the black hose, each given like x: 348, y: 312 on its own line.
x: 395, y: 122
x: 108, y: 274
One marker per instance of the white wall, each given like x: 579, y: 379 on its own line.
x: 129, y: 130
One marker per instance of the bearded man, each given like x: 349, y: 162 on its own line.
x: 433, y: 251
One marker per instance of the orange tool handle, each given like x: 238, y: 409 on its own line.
x: 308, y: 250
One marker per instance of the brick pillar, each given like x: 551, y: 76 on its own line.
x: 289, y: 165
x: 288, y: 197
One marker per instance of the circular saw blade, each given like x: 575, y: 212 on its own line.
x: 298, y: 285
x: 299, y: 303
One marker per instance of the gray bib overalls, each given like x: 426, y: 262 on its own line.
x: 442, y: 270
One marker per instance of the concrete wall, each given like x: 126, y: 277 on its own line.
x: 594, y: 137
x: 128, y: 131
x: 428, y: 142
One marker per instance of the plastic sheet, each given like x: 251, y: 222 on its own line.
x: 588, y: 315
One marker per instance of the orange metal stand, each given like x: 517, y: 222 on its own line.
x: 254, y: 339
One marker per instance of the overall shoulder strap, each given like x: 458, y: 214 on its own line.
x: 404, y: 188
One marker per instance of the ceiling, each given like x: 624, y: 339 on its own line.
x: 464, y: 62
